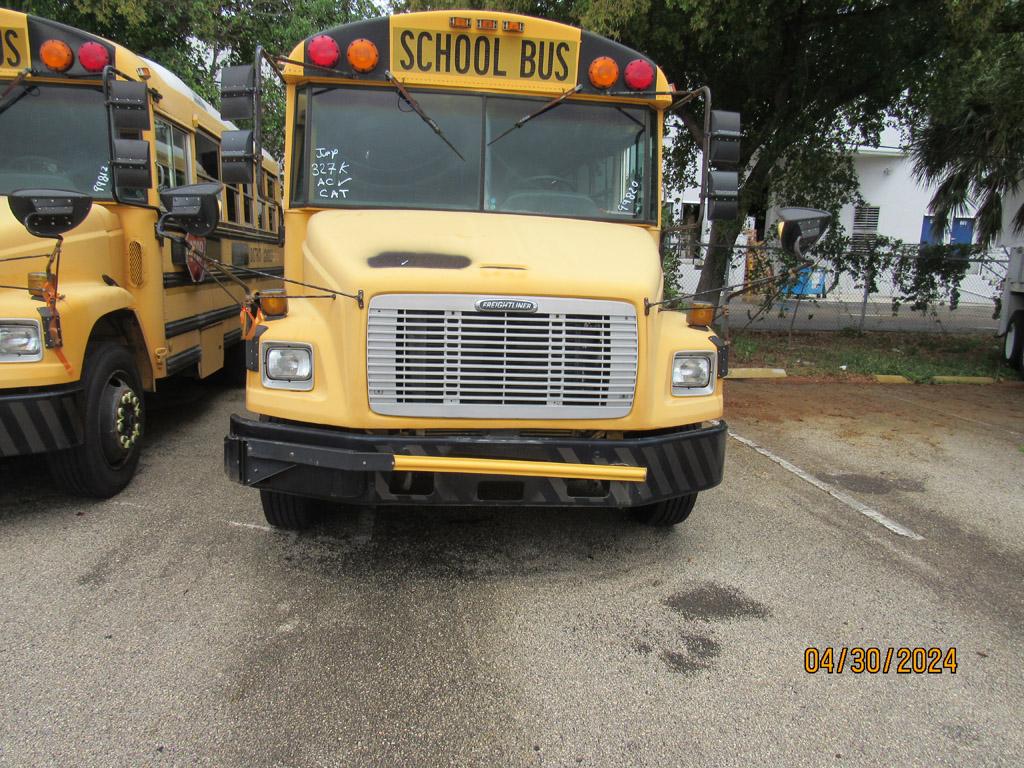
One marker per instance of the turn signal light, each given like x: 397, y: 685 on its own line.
x: 274, y: 302
x: 56, y: 55
x: 701, y: 314
x: 323, y: 51
x: 639, y: 75
x: 93, y: 57
x: 460, y: 22
x: 603, y: 72
x: 362, y: 55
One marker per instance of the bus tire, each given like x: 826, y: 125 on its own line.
x: 283, y: 510
x: 1013, y: 341
x: 666, y: 512
x: 114, y: 418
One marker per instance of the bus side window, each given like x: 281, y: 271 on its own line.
x: 173, y: 157
x: 231, y: 192
x: 208, y: 168
x: 247, y: 204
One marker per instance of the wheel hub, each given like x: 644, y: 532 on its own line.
x: 121, y: 422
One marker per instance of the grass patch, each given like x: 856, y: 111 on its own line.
x: 918, y: 356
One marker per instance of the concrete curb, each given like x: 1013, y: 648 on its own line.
x: 891, y: 378
x: 756, y: 373
x: 963, y: 380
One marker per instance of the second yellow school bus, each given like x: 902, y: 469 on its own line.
x: 129, y: 310
x: 480, y: 194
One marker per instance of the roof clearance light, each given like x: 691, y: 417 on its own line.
x: 93, y: 57
x: 323, y: 51
x: 362, y: 55
x: 513, y: 26
x: 460, y: 22
x: 639, y: 75
x: 488, y: 25
x: 603, y: 72
x: 56, y: 55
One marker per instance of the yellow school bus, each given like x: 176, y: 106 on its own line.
x: 473, y: 209
x: 86, y: 330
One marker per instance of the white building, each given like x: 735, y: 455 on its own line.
x: 896, y: 205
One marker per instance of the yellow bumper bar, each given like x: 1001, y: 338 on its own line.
x: 519, y: 468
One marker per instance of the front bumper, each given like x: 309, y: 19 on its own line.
x: 362, y: 468
x: 38, y: 420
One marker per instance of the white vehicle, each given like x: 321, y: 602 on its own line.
x: 1011, y: 318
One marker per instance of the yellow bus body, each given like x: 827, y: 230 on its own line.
x: 507, y: 255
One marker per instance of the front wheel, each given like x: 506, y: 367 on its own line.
x: 114, y: 416
x: 1013, y: 342
x: 283, y: 510
x: 667, y: 512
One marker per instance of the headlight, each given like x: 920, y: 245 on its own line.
x: 20, y: 341
x: 288, y: 366
x: 693, y: 373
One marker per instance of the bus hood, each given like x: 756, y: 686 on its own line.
x: 15, y: 240
x: 480, y: 253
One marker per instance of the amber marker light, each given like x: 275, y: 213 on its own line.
x: 487, y: 25
x: 274, y: 302
x: 513, y: 26
x: 460, y: 22
x: 362, y: 55
x: 36, y: 284
x: 603, y: 72
x: 93, y: 57
x: 323, y: 51
x: 56, y: 55
x: 701, y: 314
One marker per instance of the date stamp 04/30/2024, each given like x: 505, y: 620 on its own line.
x: 874, y: 660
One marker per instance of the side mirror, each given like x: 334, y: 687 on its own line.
x: 801, y: 228
x: 238, y: 92
x: 237, y: 157
x: 723, y: 195
x: 194, y: 209
x: 49, y: 212
x: 128, y: 102
x: 722, y: 154
x: 131, y: 164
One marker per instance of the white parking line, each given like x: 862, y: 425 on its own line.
x: 252, y: 525
x: 832, y: 491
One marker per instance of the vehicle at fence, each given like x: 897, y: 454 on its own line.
x: 99, y: 297
x: 1011, y: 317
x: 474, y: 204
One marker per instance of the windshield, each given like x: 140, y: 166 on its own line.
x: 54, y: 137
x: 367, y: 148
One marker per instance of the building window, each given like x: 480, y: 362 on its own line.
x: 865, y: 228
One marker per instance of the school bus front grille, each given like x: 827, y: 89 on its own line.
x: 437, y: 355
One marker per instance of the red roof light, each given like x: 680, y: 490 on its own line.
x: 639, y: 75
x: 93, y: 57
x: 323, y: 51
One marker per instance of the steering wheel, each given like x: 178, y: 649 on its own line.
x: 548, y: 181
x: 32, y: 163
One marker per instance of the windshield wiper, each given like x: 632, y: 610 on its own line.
x: 550, y: 105
x: 19, y: 80
x: 419, y: 111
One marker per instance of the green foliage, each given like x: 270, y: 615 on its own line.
x: 970, y: 134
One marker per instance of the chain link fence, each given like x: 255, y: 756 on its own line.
x: 826, y: 298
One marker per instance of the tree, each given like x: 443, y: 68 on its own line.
x: 969, y: 137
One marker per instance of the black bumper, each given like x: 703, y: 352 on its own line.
x: 38, y: 420
x: 357, y: 467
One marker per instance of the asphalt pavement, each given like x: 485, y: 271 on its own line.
x: 170, y: 626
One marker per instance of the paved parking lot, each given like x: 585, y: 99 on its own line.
x: 169, y: 626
